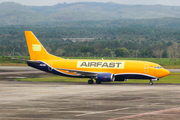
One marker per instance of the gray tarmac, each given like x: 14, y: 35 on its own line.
x: 81, y: 101
x: 18, y: 70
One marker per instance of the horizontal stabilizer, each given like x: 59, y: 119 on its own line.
x: 28, y: 61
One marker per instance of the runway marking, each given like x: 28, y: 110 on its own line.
x: 141, y: 106
x: 148, y: 113
x: 157, y: 103
x: 90, y: 113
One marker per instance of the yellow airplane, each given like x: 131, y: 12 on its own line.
x: 100, y: 70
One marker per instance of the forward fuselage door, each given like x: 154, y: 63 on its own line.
x: 146, y: 68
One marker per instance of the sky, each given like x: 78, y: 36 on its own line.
x: 53, y: 2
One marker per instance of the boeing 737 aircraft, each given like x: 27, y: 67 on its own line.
x: 99, y: 70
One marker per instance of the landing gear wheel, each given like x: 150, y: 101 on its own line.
x: 90, y: 82
x: 98, y: 82
x: 151, y: 83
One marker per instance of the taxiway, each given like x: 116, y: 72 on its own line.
x: 60, y: 100
x: 112, y: 101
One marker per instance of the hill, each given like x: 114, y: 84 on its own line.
x: 16, y: 14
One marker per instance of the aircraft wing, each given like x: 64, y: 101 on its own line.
x: 82, y: 73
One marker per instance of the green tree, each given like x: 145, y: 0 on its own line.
x: 122, y: 52
x: 165, y: 54
x: 107, y: 52
x: 60, y: 52
x: 85, y: 49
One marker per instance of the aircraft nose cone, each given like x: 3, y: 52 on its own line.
x: 166, y: 72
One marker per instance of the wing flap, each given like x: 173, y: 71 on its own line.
x: 83, y: 73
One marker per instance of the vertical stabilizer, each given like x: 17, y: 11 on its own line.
x: 36, y: 50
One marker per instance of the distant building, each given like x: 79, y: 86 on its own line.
x: 79, y: 39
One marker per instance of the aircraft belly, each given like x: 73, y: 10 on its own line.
x: 133, y: 76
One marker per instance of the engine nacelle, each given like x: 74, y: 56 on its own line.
x: 105, y: 77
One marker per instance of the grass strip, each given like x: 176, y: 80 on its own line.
x: 173, y: 78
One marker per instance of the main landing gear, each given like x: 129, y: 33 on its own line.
x: 91, y: 81
x: 150, y: 83
x: 98, y: 82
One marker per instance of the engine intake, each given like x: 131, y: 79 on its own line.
x: 105, y: 77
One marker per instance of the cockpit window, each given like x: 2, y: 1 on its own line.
x: 157, y: 67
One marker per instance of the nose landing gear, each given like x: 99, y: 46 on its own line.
x: 150, y: 83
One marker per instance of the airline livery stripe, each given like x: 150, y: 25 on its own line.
x: 134, y: 74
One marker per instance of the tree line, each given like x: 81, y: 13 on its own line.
x: 108, y: 41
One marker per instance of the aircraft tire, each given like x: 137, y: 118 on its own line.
x: 90, y: 82
x: 151, y: 83
x: 98, y: 82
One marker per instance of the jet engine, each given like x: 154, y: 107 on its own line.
x: 105, y: 77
